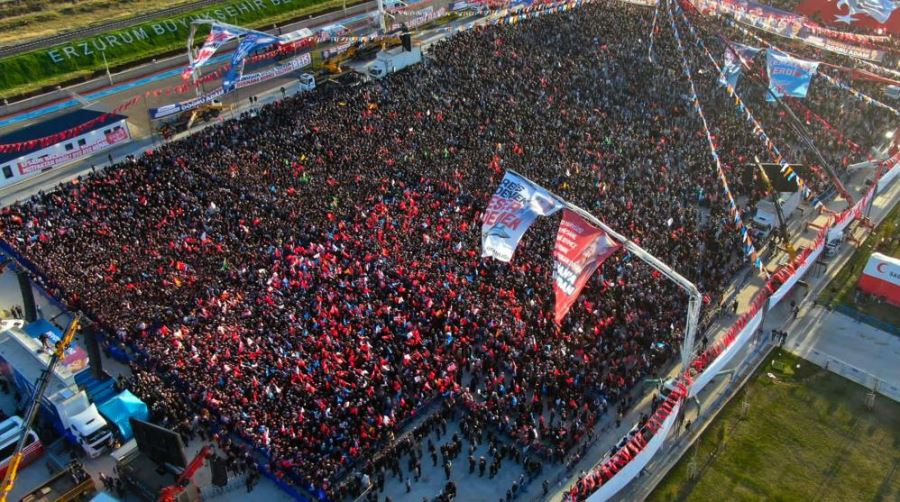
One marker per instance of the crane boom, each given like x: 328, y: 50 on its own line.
x: 169, y: 493
x: 792, y: 253
x: 43, y: 381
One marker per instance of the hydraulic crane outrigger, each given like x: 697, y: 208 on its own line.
x: 43, y: 381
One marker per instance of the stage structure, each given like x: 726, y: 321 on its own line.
x: 695, y: 299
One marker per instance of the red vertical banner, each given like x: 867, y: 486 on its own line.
x: 580, y: 249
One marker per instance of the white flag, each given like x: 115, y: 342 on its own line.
x: 513, y: 208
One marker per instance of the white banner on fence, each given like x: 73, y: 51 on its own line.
x: 887, y: 177
x: 719, y: 363
x: 637, y: 464
x: 293, y: 65
x: 778, y: 295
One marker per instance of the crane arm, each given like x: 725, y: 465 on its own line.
x: 55, y: 357
x: 169, y: 493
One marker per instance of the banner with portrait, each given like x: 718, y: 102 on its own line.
x: 788, y: 76
x: 580, y: 249
x: 512, y: 209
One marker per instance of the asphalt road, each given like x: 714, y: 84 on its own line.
x: 31, y: 107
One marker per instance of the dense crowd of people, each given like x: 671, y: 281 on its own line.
x: 309, y: 276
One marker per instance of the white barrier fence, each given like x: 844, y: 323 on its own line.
x: 638, y: 463
x: 800, y: 266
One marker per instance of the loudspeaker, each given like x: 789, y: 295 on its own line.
x: 406, y: 40
x: 219, y: 472
x: 92, y: 344
x: 27, y: 295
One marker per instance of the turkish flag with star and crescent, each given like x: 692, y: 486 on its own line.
x: 873, y: 15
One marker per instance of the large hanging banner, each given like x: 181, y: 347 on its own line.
x: 788, y: 76
x: 251, y: 42
x: 218, y: 35
x: 580, y: 249
x: 293, y: 65
x: 869, y: 14
x: 512, y: 209
x: 732, y: 67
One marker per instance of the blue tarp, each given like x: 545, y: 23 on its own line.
x: 41, y: 326
x: 120, y: 408
x: 104, y: 497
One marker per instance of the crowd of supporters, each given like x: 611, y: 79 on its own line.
x: 309, y: 276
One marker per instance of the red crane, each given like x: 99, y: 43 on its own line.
x: 169, y: 493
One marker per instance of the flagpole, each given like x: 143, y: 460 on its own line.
x: 695, y: 299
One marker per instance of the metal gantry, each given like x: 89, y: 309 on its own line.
x: 695, y: 299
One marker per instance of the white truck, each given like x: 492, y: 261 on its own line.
x: 393, y: 60
x: 767, y: 215
x: 67, y: 407
x: 306, y: 82
x: 81, y: 418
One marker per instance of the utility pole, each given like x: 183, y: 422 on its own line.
x: 106, y: 65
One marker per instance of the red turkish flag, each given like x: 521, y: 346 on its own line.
x: 873, y: 15
x: 580, y: 249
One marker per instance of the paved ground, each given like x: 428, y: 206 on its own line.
x: 850, y: 348
x: 811, y: 329
x: 470, y: 487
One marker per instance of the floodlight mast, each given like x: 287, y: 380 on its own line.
x: 695, y: 299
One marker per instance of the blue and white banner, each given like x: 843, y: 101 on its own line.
x: 295, y: 64
x: 218, y: 35
x: 252, y: 41
x: 183, y: 106
x: 733, y: 57
x: 788, y: 76
x: 512, y: 209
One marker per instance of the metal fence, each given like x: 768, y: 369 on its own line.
x: 866, y: 318
x: 854, y: 374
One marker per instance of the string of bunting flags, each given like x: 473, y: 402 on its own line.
x: 831, y: 80
x: 857, y: 94
x: 758, y: 130
x: 652, y: 31
x: 747, y: 241
x: 825, y: 124
x: 68, y: 133
x: 876, y: 67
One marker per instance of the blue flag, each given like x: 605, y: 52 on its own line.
x: 251, y: 42
x: 732, y: 67
x: 787, y: 75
